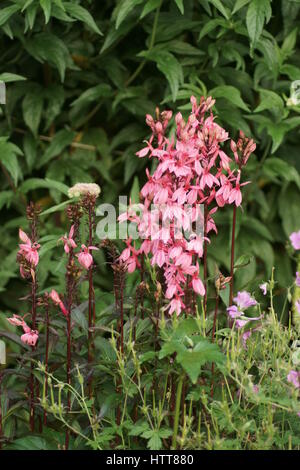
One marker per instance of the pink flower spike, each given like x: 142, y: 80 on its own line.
x: 30, y: 338
x: 295, y: 240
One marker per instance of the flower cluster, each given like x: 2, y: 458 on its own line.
x: 28, y: 256
x: 191, y: 170
x: 243, y: 301
x: 30, y: 336
x: 81, y: 189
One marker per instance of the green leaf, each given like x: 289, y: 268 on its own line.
x: 46, y: 47
x: 60, y: 141
x: 58, y: 207
x: 46, y: 6
x: 32, y: 109
x: 13, y: 337
x: 289, y: 208
x: 80, y: 13
x: 192, y: 360
x: 258, y: 12
x: 135, y: 191
x: 169, y: 66
x: 30, y: 149
x: 125, y: 7
x: 37, y: 183
x: 276, y: 167
x: 8, y: 158
x: 31, y: 443
x: 6, y: 13
x: 229, y: 93
x: 92, y: 94
x: 11, y: 77
x: 78, y: 315
x: 289, y: 42
x: 239, y: 4
x: 180, y: 5
x: 150, y: 6
x: 219, y: 6
x: 269, y: 100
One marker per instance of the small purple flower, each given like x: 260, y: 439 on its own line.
x: 244, y: 300
x: 295, y: 240
x: 255, y: 389
x: 264, y: 287
x: 246, y: 336
x: 297, y: 304
x: 234, y: 312
x: 294, y: 378
x: 297, y: 279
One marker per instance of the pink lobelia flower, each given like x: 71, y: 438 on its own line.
x: 176, y: 305
x: 235, y: 194
x: 68, y: 240
x: 28, y: 249
x: 295, y: 240
x: 297, y: 279
x: 30, y: 337
x: 198, y: 286
x: 84, y: 257
x: 57, y: 301
x: 294, y: 378
x: 264, y: 287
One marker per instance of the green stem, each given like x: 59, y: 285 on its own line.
x: 177, y: 412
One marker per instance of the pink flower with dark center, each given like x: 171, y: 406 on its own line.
x: 295, y: 240
x: 85, y: 259
x: 294, y: 378
x: 68, y: 240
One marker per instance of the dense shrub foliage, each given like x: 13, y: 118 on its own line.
x: 80, y: 77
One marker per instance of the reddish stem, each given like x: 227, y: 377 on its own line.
x: 232, y: 255
x: 205, y: 256
x: 46, y: 356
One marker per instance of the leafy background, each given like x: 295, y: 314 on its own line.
x: 80, y: 77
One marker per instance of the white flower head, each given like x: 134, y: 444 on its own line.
x: 80, y: 189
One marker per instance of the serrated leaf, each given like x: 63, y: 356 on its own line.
x: 80, y: 13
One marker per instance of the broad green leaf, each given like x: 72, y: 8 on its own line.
x: 6, y: 13
x: 169, y: 66
x: 92, y: 94
x: 289, y: 42
x: 229, y: 93
x: 60, y: 141
x: 239, y: 4
x: 30, y: 149
x: 37, y: 183
x: 269, y: 100
x: 258, y: 12
x: 125, y: 7
x: 8, y: 158
x: 219, y: 5
x: 289, y: 208
x: 46, y: 6
x: 81, y: 14
x: 46, y: 47
x: 135, y: 191
x: 180, y: 5
x: 11, y: 77
x: 32, y: 109
x: 150, y: 6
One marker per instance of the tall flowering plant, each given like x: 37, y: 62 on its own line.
x: 192, y: 170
